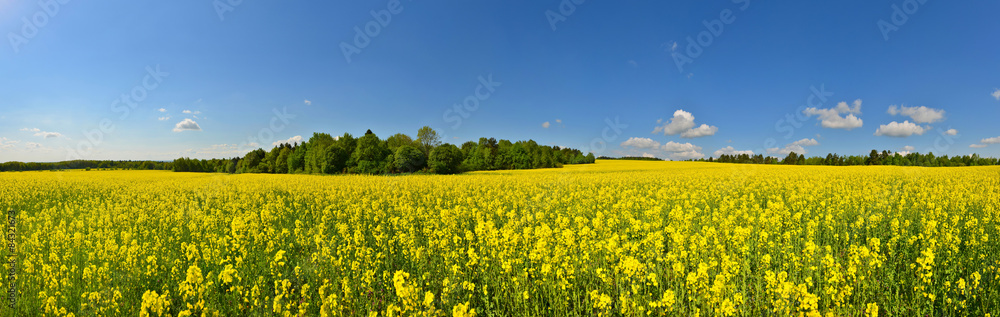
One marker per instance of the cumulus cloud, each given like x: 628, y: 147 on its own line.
x: 162, y: 110
x: 686, y: 155
x: 641, y: 143
x: 951, y: 132
x: 48, y: 135
x: 833, y: 118
x: 729, y: 150
x: 308, y: 103
x: 648, y: 155
x: 291, y: 140
x: 546, y: 124
x: 993, y: 140
x: 191, y: 112
x: 703, y: 130
x: 43, y: 134
x: 900, y: 130
x: 806, y: 142
x: 187, y: 125
x: 558, y: 120
x: 680, y: 147
x: 918, y: 114
x: 163, y: 118
x: 683, y: 123
x: 908, y: 148
x: 799, y: 147
x: 996, y: 94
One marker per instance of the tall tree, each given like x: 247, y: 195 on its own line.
x: 428, y: 139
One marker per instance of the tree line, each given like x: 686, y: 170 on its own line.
x: 873, y: 158
x: 399, y: 153
x: 630, y: 158
x: 84, y: 164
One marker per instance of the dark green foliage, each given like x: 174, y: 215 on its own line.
x: 446, y: 159
x: 409, y: 159
x: 370, y: 155
x: 324, y: 154
x: 873, y: 158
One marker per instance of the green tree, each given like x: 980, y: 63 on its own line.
x: 397, y: 140
x: 409, y: 159
x: 281, y: 163
x: 428, y: 139
x: 370, y: 155
x: 445, y: 159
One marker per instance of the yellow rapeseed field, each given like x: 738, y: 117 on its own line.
x: 612, y: 239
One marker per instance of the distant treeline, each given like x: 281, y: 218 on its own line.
x: 82, y: 164
x: 874, y: 158
x: 325, y: 154
x: 630, y: 158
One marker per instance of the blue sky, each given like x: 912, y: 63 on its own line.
x: 600, y: 76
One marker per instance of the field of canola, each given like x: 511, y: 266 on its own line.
x: 614, y: 239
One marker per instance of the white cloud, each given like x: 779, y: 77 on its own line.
x: 951, y: 132
x: 186, y: 111
x: 162, y: 110
x: 900, y: 130
x: 308, y: 103
x: 977, y: 146
x: 558, y: 120
x: 292, y: 140
x: 7, y: 143
x: 918, y: 114
x: 33, y: 145
x: 703, y: 130
x: 648, y: 155
x: 993, y: 140
x: 683, y: 123
x: 798, y: 147
x: 546, y: 124
x: 673, y: 47
x: 641, y: 143
x: 996, y: 94
x: 904, y: 153
x: 680, y: 147
x: 191, y: 112
x: 806, y: 142
x: 908, y: 148
x: 48, y: 135
x: 729, y: 150
x: 44, y: 134
x: 187, y: 125
x: 163, y: 118
x: 687, y: 155
x: 831, y: 118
